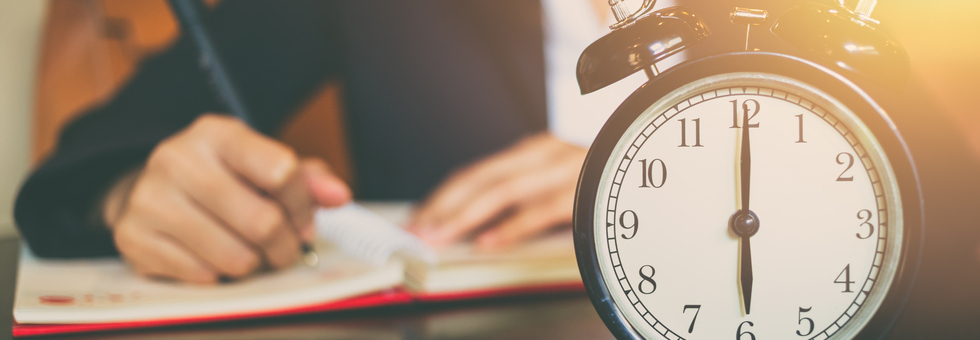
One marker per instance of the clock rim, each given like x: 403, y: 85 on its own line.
x: 845, y: 91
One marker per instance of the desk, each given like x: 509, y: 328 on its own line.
x: 551, y: 317
x: 935, y: 311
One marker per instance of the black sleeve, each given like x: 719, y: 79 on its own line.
x: 277, y: 55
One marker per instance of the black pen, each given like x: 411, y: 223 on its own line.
x: 189, y: 15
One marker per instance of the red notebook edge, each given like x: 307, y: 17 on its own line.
x: 389, y: 297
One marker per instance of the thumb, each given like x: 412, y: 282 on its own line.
x: 328, y: 190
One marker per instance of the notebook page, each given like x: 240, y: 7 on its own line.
x: 546, y: 260
x: 107, y: 290
x: 556, y: 245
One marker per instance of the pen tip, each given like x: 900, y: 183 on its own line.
x: 310, y: 258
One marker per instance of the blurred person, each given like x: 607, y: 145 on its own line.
x: 469, y: 106
x: 433, y: 89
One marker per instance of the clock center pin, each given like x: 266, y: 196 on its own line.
x: 744, y: 223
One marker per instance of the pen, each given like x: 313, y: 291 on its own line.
x: 189, y: 16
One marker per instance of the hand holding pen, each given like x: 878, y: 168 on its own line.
x: 218, y: 199
x: 189, y: 13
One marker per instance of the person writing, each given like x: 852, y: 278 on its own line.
x: 446, y: 100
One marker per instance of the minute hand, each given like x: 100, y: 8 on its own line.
x: 745, y: 161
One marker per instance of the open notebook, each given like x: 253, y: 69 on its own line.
x: 358, y: 268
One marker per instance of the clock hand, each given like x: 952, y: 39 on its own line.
x: 744, y: 223
x: 745, y: 275
x: 745, y: 160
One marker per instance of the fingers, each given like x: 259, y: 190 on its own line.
x: 520, y: 191
x: 159, y: 210
x: 260, y: 160
x: 311, y: 186
x: 530, y: 220
x: 267, y: 193
x: 225, y: 202
x: 296, y: 202
x: 273, y: 168
x: 154, y: 254
x: 520, y: 185
x: 281, y: 249
x: 327, y: 189
x: 461, y: 187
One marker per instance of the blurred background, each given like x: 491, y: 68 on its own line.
x: 58, y: 57
x: 20, y: 32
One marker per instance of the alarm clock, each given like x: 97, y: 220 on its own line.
x: 749, y: 194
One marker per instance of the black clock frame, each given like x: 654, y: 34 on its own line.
x: 848, y: 93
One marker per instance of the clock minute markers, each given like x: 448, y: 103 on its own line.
x: 744, y: 223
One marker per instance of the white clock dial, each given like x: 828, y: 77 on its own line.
x: 826, y: 198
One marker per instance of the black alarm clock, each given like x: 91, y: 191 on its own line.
x: 749, y: 194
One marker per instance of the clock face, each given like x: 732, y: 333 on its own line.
x: 823, y: 194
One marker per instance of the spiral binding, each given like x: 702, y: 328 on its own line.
x: 361, y: 234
